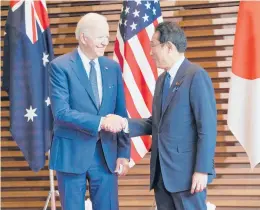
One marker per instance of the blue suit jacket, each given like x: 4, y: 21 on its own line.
x: 77, y: 118
x: 184, y: 132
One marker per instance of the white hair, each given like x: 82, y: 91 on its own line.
x: 87, y: 22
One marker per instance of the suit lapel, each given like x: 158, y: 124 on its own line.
x: 176, y: 83
x: 158, y: 99
x: 80, y: 71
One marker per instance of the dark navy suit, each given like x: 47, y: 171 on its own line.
x: 79, y: 151
x: 184, y: 137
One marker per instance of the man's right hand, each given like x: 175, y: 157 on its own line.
x: 113, y: 123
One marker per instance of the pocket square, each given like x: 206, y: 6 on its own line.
x: 210, y: 206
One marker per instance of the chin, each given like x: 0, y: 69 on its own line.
x: 158, y: 65
x: 161, y: 65
x: 100, y: 54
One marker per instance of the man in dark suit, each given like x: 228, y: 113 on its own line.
x: 85, y: 87
x: 183, y: 125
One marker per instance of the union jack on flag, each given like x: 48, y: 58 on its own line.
x: 132, y: 50
x: 35, y: 12
x: 27, y: 53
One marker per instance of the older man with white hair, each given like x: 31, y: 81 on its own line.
x: 85, y: 87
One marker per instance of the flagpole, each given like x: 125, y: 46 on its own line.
x: 52, y: 189
x: 52, y: 192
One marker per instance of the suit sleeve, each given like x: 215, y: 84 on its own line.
x: 123, y: 140
x: 140, y: 127
x: 62, y: 112
x: 203, y: 104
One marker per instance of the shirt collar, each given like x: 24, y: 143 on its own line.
x: 173, y: 70
x: 84, y: 58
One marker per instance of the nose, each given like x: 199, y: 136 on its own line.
x: 151, y: 52
x: 105, y: 41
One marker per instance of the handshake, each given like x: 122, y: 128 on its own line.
x: 113, y: 123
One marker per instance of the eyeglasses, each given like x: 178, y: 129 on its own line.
x: 100, y: 39
x: 153, y: 46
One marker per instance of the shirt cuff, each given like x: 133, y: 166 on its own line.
x: 126, y: 129
x: 100, y: 123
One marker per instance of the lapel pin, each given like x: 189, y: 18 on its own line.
x: 177, y: 85
x: 106, y: 68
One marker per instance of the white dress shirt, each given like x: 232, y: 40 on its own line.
x: 85, y: 61
x: 173, y: 70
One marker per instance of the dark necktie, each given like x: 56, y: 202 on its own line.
x: 93, y: 82
x: 166, y: 87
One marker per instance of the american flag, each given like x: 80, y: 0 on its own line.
x: 132, y: 50
x: 27, y: 53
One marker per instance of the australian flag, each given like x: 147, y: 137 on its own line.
x: 27, y: 53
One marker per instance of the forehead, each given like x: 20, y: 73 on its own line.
x: 100, y: 28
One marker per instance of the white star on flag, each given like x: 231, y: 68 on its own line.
x: 4, y: 33
x: 127, y: 10
x: 133, y: 26
x: 154, y: 11
x: 156, y: 1
x: 136, y: 13
x: 125, y: 23
x: 130, y: 47
x: 48, y: 101
x: 145, y: 17
x: 120, y: 22
x: 45, y: 59
x: 138, y: 2
x: 30, y: 114
x: 148, y: 5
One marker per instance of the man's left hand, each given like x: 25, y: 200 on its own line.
x: 124, y: 164
x: 199, y: 182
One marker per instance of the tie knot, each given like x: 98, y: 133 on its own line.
x: 92, y: 63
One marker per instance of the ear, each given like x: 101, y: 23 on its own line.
x: 171, y: 47
x: 82, y: 38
